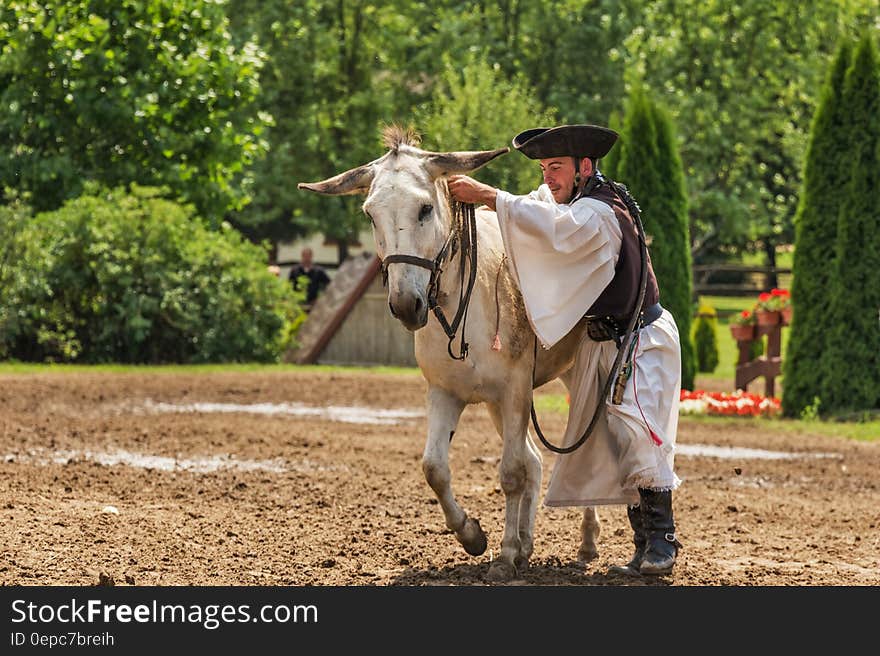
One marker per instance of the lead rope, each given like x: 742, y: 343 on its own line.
x: 599, y: 407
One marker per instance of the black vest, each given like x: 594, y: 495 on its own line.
x: 619, y: 298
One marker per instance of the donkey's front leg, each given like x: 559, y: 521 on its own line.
x: 444, y: 411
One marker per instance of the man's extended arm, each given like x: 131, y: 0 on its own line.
x: 467, y: 190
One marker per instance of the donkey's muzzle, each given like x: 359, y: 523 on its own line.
x: 410, y: 309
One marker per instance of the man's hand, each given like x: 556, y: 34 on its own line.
x: 467, y: 190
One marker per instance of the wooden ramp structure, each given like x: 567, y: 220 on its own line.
x: 769, y: 365
x: 350, y: 323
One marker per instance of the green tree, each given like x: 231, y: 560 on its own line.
x: 121, y: 91
x: 584, y: 81
x: 608, y: 165
x: 331, y: 80
x: 851, y: 361
x: 739, y: 80
x: 650, y: 166
x: 824, y: 177
x: 337, y: 70
x: 475, y: 107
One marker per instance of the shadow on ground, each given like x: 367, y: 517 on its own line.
x: 547, y: 571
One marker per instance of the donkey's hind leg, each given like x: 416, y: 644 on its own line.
x: 589, y: 536
x: 444, y: 411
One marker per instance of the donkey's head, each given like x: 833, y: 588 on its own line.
x: 407, y: 203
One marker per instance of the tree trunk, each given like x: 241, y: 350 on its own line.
x: 771, y: 281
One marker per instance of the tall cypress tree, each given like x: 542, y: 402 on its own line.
x: 608, y: 164
x: 672, y: 254
x: 649, y: 164
x: 815, y: 236
x: 851, y: 363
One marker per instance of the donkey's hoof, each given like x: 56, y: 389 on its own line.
x: 500, y: 571
x: 472, y: 538
x: 521, y: 563
x: 587, y: 555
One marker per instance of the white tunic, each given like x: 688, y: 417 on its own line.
x: 563, y: 257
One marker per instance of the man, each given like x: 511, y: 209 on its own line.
x: 574, y: 249
x: 318, y: 278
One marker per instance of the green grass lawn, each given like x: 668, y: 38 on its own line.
x: 866, y: 431
x: 784, y: 258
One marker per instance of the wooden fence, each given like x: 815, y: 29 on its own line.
x: 737, y: 279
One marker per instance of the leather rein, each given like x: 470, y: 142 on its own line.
x: 463, y: 238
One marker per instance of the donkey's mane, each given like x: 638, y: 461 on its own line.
x: 394, y: 136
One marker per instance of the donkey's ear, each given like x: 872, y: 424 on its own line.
x: 440, y: 164
x: 355, y: 181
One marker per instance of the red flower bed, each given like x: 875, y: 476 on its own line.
x: 737, y: 404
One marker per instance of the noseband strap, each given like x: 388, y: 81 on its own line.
x: 430, y: 265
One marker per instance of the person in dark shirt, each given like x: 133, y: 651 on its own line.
x: 318, y: 278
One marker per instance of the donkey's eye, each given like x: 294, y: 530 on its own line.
x: 425, y: 212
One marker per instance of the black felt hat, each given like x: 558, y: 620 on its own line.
x: 565, y: 141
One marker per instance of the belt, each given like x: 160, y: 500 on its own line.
x: 601, y: 329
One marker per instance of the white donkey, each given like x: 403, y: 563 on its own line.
x: 413, y: 224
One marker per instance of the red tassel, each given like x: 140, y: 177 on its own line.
x: 654, y: 437
x: 496, y: 343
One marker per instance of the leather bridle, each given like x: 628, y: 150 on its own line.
x: 462, y: 237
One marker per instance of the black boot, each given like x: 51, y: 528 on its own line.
x: 639, y: 539
x: 662, y: 547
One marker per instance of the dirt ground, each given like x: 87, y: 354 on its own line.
x: 262, y: 499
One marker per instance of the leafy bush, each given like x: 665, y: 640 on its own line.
x: 129, y: 276
x: 17, y: 280
x: 705, y: 339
